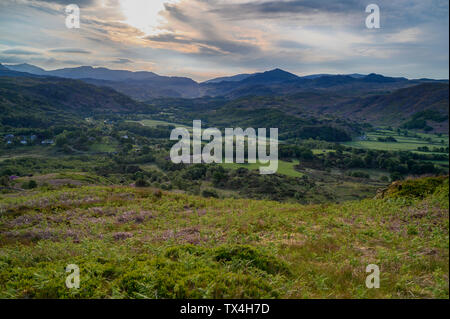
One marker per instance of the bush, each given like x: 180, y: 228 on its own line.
x: 210, y: 193
x: 32, y: 184
x: 141, y: 183
x: 4, y: 181
x: 416, y: 188
x: 360, y: 175
x: 251, y: 257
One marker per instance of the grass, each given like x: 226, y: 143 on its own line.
x: 155, y: 123
x: 373, y: 173
x: 319, y: 151
x: 284, y: 167
x: 144, y: 243
x: 26, y: 151
x: 404, y: 143
x: 102, y: 148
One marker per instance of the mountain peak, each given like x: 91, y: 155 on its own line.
x: 275, y: 75
x: 373, y: 77
x: 279, y: 71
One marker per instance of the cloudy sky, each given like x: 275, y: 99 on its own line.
x: 208, y: 38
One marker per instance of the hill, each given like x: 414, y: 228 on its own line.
x: 397, y: 107
x: 23, y: 99
x: 144, y: 243
x: 415, y: 107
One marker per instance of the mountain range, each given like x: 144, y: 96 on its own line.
x: 372, y: 98
x: 145, y: 85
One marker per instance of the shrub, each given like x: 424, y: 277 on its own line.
x: 416, y: 188
x: 210, y: 193
x: 32, y: 184
x: 141, y: 183
x: 252, y: 257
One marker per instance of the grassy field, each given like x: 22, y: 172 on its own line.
x: 102, y: 148
x: 373, y: 173
x: 144, y: 243
x: 404, y: 143
x: 284, y: 168
x: 26, y: 151
x: 155, y: 123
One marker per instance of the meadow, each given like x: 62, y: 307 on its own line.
x: 404, y: 143
x: 144, y: 243
x: 284, y: 167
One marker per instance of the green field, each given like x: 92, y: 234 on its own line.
x: 155, y: 123
x: 102, y: 148
x: 404, y: 143
x: 284, y: 168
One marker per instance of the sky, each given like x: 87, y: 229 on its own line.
x: 203, y: 39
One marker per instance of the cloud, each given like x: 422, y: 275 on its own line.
x: 122, y: 61
x: 80, y: 3
x: 275, y: 8
x: 19, y: 52
x: 199, y: 37
x: 70, y: 50
x: 188, y: 29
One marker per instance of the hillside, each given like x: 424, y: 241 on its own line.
x: 399, y: 106
x: 24, y: 98
x: 144, y: 243
x: 393, y: 107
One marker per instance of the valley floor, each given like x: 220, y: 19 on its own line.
x: 144, y: 243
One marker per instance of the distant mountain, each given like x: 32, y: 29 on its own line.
x: 240, y: 77
x: 5, y: 71
x: 378, y: 78
x: 279, y: 82
x: 234, y: 78
x: 356, y: 75
x: 140, y: 85
x: 270, y: 77
x: 85, y: 72
x: 315, y: 76
x: 28, y: 68
x: 145, y: 86
x: 89, y: 72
